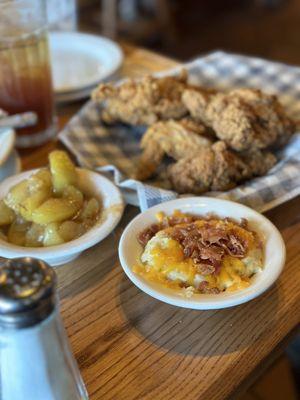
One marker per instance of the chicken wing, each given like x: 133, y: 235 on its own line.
x: 217, y: 168
x: 177, y: 139
x: 244, y: 118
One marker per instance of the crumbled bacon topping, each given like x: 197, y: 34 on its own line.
x: 148, y: 233
x: 205, y: 289
x: 205, y: 269
x: 206, y: 245
x: 166, y: 222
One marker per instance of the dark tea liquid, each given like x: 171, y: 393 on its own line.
x: 26, y: 85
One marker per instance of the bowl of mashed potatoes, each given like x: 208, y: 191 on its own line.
x: 202, y: 253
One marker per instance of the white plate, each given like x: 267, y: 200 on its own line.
x: 80, y: 60
x: 130, y: 251
x: 11, y: 166
x: 112, y: 211
x: 7, y: 141
x: 73, y: 96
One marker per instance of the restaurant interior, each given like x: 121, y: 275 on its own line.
x: 211, y: 108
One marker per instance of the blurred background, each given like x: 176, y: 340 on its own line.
x: 184, y: 29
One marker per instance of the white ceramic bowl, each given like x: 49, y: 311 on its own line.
x: 12, y: 166
x: 7, y: 142
x: 112, y: 210
x: 130, y: 251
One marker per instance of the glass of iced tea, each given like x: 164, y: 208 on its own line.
x: 25, y: 74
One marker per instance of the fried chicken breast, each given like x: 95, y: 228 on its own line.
x: 144, y: 101
x: 217, y: 168
x: 176, y: 139
x: 215, y: 140
x: 244, y: 118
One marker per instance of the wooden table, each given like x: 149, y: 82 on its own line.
x: 131, y: 346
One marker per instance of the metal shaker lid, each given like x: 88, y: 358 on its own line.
x: 27, y: 292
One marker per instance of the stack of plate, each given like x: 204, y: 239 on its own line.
x: 79, y: 62
x: 9, y: 159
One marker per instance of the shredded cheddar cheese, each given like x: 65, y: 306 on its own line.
x: 164, y: 261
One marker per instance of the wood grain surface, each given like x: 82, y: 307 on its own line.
x: 130, y: 346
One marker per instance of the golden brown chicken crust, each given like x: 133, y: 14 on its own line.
x: 259, y: 162
x: 244, y: 118
x: 214, y: 168
x: 185, y: 120
x: 177, y: 139
x: 144, y: 101
x: 217, y: 168
x: 228, y: 168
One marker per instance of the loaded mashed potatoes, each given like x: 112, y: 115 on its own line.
x: 200, y: 254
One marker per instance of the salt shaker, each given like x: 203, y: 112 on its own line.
x: 36, y: 362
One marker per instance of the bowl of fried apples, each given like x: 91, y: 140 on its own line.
x: 56, y: 212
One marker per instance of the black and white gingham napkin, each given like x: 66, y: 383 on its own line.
x: 114, y: 150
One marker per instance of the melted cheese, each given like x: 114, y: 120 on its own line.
x: 232, y: 275
x: 163, y: 262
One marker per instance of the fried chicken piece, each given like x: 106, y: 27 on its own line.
x: 144, y: 101
x: 217, y: 168
x: 177, y: 139
x: 244, y: 118
x: 259, y: 162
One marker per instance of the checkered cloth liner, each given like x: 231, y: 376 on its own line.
x: 113, y: 151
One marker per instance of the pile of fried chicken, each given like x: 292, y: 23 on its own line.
x: 214, y: 139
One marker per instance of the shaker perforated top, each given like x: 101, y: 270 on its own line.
x: 27, y: 292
